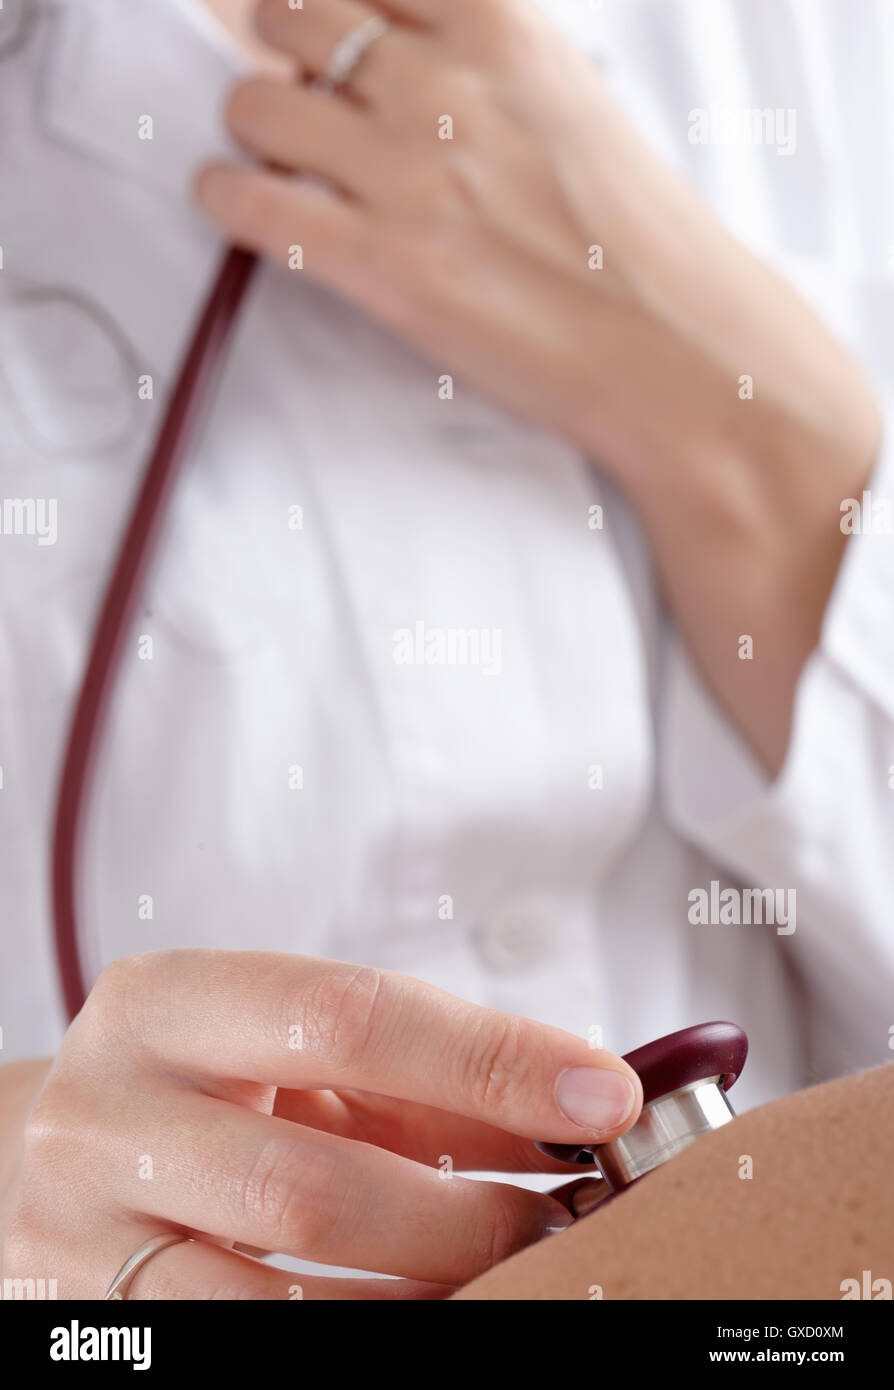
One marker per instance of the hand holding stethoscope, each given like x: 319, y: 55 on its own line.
x: 161, y: 1120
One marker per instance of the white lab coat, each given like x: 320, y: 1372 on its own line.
x: 423, y: 790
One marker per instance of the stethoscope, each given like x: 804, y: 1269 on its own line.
x: 685, y: 1078
x: 193, y: 390
x: 192, y: 393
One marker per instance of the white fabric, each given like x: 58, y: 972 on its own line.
x: 273, y: 647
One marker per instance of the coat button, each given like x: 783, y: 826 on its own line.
x: 518, y: 937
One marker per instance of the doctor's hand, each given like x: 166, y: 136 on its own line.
x: 475, y: 188
x: 485, y: 197
x: 467, y: 181
x: 296, y: 1105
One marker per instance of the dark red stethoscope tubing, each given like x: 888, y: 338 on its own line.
x: 192, y: 392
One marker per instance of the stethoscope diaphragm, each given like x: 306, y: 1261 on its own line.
x: 685, y: 1078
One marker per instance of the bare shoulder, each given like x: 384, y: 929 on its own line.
x: 788, y: 1201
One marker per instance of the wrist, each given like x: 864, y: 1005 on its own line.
x: 779, y: 460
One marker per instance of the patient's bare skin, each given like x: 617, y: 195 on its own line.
x: 818, y: 1210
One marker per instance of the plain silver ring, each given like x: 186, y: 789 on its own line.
x: 349, y: 50
x: 117, y: 1290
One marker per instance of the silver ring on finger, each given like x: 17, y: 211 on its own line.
x: 122, y: 1280
x: 349, y: 51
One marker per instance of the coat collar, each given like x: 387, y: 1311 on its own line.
x: 112, y: 63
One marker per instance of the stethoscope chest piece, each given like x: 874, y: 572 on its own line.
x: 685, y: 1078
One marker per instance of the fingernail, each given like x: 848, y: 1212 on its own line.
x: 597, y: 1099
x: 588, y: 1196
x: 213, y: 190
x: 560, y: 1222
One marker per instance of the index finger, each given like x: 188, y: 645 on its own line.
x: 304, y: 1023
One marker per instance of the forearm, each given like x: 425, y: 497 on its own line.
x: 816, y: 1210
x: 741, y: 498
